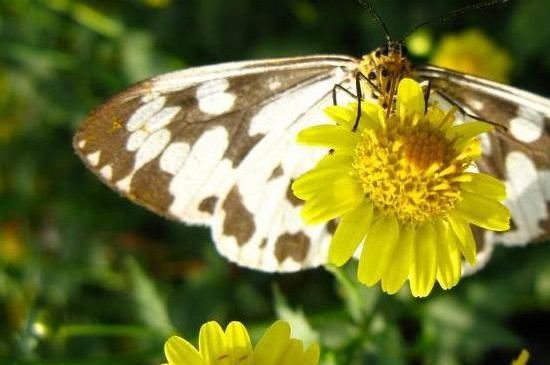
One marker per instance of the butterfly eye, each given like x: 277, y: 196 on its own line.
x: 384, y: 50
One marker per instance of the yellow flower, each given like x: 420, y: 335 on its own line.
x: 522, y: 358
x: 420, y: 42
x: 474, y: 53
x: 404, y: 185
x: 233, y: 347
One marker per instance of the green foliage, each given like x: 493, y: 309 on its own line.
x: 88, y: 278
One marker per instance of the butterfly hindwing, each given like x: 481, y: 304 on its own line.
x: 215, y: 145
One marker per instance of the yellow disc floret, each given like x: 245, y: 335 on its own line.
x: 409, y: 170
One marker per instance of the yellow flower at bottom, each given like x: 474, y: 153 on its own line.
x: 233, y: 347
x: 402, y: 185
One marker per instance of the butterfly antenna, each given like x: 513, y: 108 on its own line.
x: 453, y: 14
x: 376, y: 17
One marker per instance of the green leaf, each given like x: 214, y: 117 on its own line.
x: 149, y: 305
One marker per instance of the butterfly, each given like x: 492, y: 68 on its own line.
x: 215, y: 145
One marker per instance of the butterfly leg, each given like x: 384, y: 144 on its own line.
x: 465, y: 113
x: 335, y: 102
x: 427, y: 86
x: 358, y: 78
x: 427, y: 90
x: 340, y: 87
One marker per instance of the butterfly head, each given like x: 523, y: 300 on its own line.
x: 383, y: 68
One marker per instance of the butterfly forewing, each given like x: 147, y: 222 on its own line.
x: 215, y: 145
x: 518, y: 153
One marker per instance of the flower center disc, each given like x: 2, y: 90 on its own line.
x: 408, y: 172
x: 422, y: 149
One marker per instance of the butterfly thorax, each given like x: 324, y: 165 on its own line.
x: 383, y: 68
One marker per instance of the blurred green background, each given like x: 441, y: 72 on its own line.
x: 86, y: 277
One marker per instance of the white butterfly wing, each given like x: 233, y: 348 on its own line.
x: 215, y: 145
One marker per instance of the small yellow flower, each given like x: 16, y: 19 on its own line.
x: 420, y: 42
x: 522, y: 358
x: 404, y: 185
x: 233, y: 347
x: 474, y: 53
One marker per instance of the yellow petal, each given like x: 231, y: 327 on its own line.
x: 466, y: 131
x: 332, y: 159
x: 180, y: 352
x: 372, y: 115
x: 294, y: 353
x: 377, y: 250
x: 311, y: 356
x: 410, y: 98
x: 448, y: 256
x: 434, y: 115
x: 344, y: 116
x: 330, y: 136
x: 486, y: 185
x: 522, y: 358
x: 448, y: 120
x: 213, y: 344
x: 239, y: 344
x: 397, y: 271
x: 423, y: 261
x: 273, y: 344
x: 471, y: 150
x: 465, y: 239
x: 338, y: 197
x: 316, y: 179
x: 351, y: 230
x: 483, y: 212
